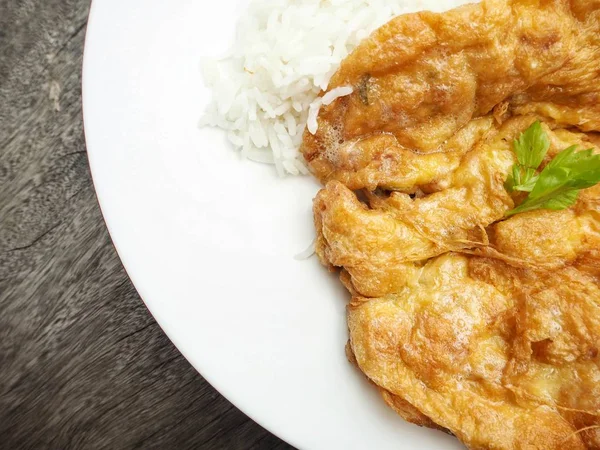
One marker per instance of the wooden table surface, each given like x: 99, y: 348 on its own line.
x: 83, y: 365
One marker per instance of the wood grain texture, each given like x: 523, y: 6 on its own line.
x: 82, y: 362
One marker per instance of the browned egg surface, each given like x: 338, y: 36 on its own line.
x: 486, y: 327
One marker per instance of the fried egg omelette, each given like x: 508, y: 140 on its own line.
x: 467, y: 320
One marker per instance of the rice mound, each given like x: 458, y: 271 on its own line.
x: 284, y: 54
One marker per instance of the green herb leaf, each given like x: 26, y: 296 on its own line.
x: 585, y: 164
x: 528, y: 185
x: 531, y: 148
x: 558, y: 185
x: 557, y: 202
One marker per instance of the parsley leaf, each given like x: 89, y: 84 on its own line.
x: 531, y: 148
x: 561, y: 200
x: 557, y: 186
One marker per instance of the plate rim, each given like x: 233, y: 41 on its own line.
x: 85, y: 87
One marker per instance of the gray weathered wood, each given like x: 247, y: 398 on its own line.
x: 82, y: 362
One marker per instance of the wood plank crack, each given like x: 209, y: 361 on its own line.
x: 36, y: 240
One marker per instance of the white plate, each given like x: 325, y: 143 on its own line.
x: 209, y: 240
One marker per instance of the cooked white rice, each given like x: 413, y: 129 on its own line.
x: 285, y: 52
